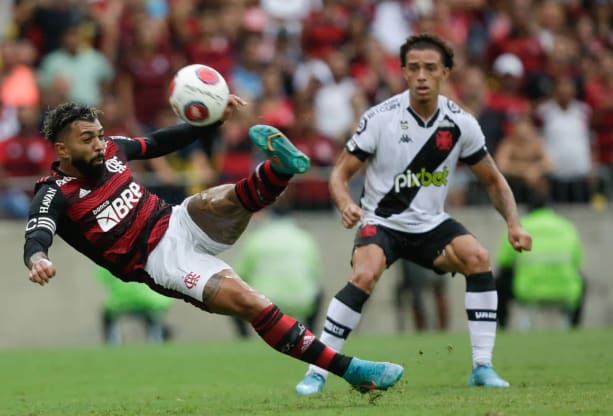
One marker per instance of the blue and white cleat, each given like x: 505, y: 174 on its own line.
x: 368, y: 375
x: 484, y: 375
x: 281, y: 152
x: 312, y: 383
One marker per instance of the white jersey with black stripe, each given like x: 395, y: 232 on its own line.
x: 411, y: 160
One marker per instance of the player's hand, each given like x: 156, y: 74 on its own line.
x: 234, y: 103
x: 519, y: 238
x: 351, y: 214
x: 42, y: 270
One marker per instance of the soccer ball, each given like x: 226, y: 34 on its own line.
x: 198, y: 95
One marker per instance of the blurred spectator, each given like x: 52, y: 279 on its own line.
x: 132, y: 299
x: 507, y: 96
x: 392, y: 23
x: 210, y: 46
x: 246, y: 75
x: 45, y: 22
x: 18, y: 87
x: 275, y: 108
x: 334, y: 114
x: 473, y: 94
x: 414, y: 280
x: 325, y: 30
x: 23, y: 158
x: 282, y: 261
x: 566, y: 131
x: 9, y: 121
x: 520, y: 38
x: 523, y: 160
x: 311, y: 191
x: 549, y: 274
x: 236, y: 158
x: 599, y: 96
x: 145, y: 73
x: 84, y: 72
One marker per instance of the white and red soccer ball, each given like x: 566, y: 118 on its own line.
x: 198, y: 94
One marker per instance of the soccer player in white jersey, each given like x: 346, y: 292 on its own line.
x: 412, y: 143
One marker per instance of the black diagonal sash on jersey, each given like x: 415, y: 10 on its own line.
x: 430, y: 156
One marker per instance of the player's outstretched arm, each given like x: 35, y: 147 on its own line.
x: 503, y: 200
x: 346, y: 166
x: 45, y: 209
x: 169, y: 139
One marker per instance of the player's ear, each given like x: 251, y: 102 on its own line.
x: 60, y: 149
x: 446, y: 72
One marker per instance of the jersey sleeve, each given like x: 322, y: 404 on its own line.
x: 363, y: 143
x: 166, y: 140
x: 46, y: 208
x: 134, y: 148
x: 473, y: 142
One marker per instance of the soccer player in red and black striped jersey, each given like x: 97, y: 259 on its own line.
x: 94, y: 203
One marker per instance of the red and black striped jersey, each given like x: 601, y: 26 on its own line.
x: 112, y: 219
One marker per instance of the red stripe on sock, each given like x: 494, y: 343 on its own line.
x: 263, y: 319
x: 325, y: 358
x: 243, y: 195
x: 252, y: 187
x: 278, y: 330
x: 273, y: 176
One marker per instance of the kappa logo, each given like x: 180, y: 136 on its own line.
x: 405, y: 139
x: 109, y: 214
x: 191, y: 280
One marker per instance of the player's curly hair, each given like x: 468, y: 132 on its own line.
x: 423, y: 41
x: 61, y: 116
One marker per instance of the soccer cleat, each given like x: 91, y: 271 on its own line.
x: 368, y: 375
x: 484, y: 375
x: 311, y: 383
x: 281, y: 152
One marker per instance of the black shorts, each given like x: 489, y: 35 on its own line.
x: 420, y: 248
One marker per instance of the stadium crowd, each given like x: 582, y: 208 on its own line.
x: 537, y: 74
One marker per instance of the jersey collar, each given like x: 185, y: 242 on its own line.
x: 420, y: 121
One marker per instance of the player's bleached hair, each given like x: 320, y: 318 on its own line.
x: 423, y: 41
x: 61, y: 116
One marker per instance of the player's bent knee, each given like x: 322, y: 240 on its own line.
x: 365, y: 278
x: 477, y: 261
x: 234, y: 297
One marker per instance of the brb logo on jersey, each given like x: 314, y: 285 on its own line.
x: 410, y: 179
x: 110, y: 213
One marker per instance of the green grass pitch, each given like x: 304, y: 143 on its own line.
x: 552, y: 373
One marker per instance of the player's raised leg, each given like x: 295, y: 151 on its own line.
x: 224, y: 211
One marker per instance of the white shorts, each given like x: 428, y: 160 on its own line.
x: 184, y: 259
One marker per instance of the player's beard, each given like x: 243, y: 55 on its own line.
x: 89, y: 169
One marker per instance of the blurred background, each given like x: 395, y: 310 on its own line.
x: 537, y: 74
